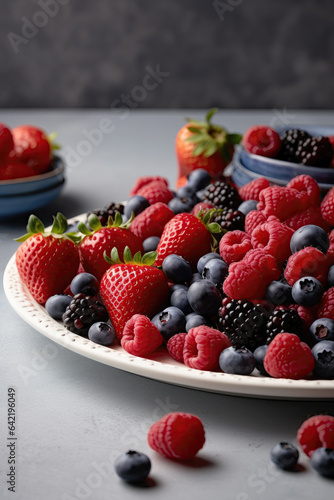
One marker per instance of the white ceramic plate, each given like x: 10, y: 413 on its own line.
x: 160, y: 366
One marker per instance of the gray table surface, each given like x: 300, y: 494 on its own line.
x: 74, y: 415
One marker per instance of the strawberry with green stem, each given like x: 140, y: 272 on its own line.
x: 99, y: 239
x: 47, y: 260
x: 202, y: 144
x: 133, y: 286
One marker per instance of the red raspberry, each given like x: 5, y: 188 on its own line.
x: 252, y: 190
x: 330, y: 251
x: 307, y: 314
x: 234, y: 245
x: 316, y: 432
x: 309, y: 188
x: 288, y: 357
x: 142, y: 181
x: 140, y: 336
x: 327, y: 207
x: 311, y: 215
x: 155, y: 191
x: 273, y: 238
x: 307, y: 262
x: 326, y: 305
x: 175, y: 346
x: 202, y: 205
x: 262, y: 140
x: 151, y: 221
x: 255, y: 218
x: 280, y: 201
x: 203, y: 346
x: 177, y: 435
x: 249, y: 278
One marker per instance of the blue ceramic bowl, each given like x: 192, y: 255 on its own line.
x: 271, y: 167
x: 19, y: 196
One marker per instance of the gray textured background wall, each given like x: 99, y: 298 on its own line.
x: 167, y: 53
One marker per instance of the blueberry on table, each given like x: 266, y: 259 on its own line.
x: 247, y: 206
x: 132, y: 466
x: 259, y: 355
x: 85, y: 283
x: 307, y: 291
x: 237, y: 360
x: 216, y: 271
x: 169, y: 322
x: 194, y: 320
x: 330, y: 281
x: 205, y: 258
x: 204, y: 298
x: 322, y: 329
x: 309, y: 236
x: 101, y: 333
x: 150, y: 244
x: 322, y: 460
x: 179, y: 298
x: 178, y: 286
x: 180, y: 205
x: 176, y: 268
x: 195, y: 277
x: 279, y: 293
x: 135, y: 204
x: 198, y: 179
x: 323, y: 353
x: 284, y: 455
x: 57, y: 304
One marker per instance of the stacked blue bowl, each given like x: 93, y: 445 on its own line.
x: 247, y: 166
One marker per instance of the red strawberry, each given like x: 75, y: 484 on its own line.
x: 132, y: 287
x: 47, y: 261
x: 103, y: 239
x: 188, y: 236
x: 202, y: 144
x: 33, y: 147
x: 16, y: 169
x: 151, y: 221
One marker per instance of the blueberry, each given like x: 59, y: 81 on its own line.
x: 85, y: 283
x: 307, y: 291
x: 204, y: 298
x: 323, y: 353
x: 238, y: 360
x: 151, y: 243
x: 279, y: 293
x: 322, y: 329
x: 331, y: 277
x: 169, y: 322
x: 198, y: 179
x: 185, y: 192
x: 259, y: 355
x: 247, y: 206
x: 101, y: 333
x: 216, y: 271
x: 194, y: 320
x: 309, y: 236
x: 179, y: 298
x: 136, y: 204
x: 176, y: 268
x: 57, y: 304
x: 322, y: 460
x: 132, y: 466
x: 284, y: 455
x: 180, y: 205
x: 205, y: 258
x: 177, y: 286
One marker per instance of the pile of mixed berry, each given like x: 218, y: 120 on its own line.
x: 293, y: 145
x: 222, y: 279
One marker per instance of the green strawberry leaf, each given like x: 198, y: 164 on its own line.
x: 59, y: 225
x: 94, y: 222
x: 127, y: 255
x: 195, y: 130
x: 35, y: 225
x: 197, y: 122
x: 82, y: 228
x: 211, y: 149
x: 74, y: 237
x: 210, y: 114
x: 114, y: 257
x: 137, y: 258
x: 234, y: 139
x: 196, y: 137
x: 149, y: 258
x: 214, y: 227
x: 118, y: 221
x: 201, y: 147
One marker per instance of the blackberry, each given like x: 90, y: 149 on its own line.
x: 229, y: 219
x: 83, y: 312
x: 243, y: 322
x: 283, y: 320
x: 104, y: 213
x: 315, y: 151
x: 222, y: 195
x: 291, y: 139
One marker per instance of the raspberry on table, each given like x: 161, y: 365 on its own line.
x: 175, y: 346
x: 283, y: 202
x: 273, y: 238
x: 316, y: 432
x: 311, y: 215
x: 248, y: 278
x: 234, y: 245
x: 326, y: 305
x: 151, y: 221
x: 288, y: 357
x: 252, y: 190
x: 143, y: 181
x: 155, y: 191
x: 177, y: 435
x: 140, y: 336
x: 327, y: 207
x: 253, y: 219
x: 203, y: 346
x: 309, y: 188
x: 307, y: 262
x: 262, y: 140
x: 330, y: 251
